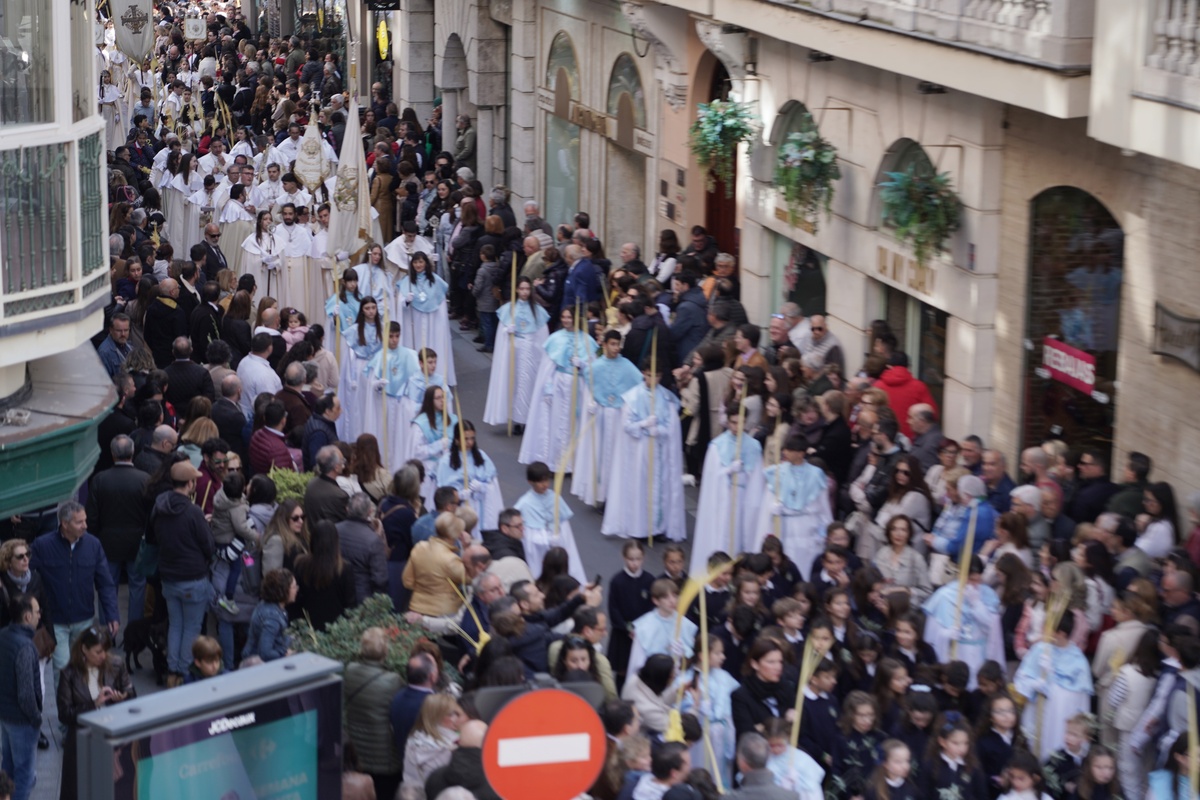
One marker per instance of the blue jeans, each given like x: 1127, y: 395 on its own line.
x: 487, y: 326
x: 137, y: 589
x: 64, y: 636
x: 227, y: 636
x: 187, y: 603
x: 20, y: 756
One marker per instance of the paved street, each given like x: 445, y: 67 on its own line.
x: 600, y: 554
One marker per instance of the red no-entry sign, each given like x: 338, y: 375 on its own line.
x: 545, y: 745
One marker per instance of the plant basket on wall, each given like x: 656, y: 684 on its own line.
x: 924, y: 209
x: 714, y: 137
x: 805, y: 170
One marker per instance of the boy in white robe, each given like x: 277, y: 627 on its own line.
x: 796, y: 505
x: 730, y: 495
x: 537, y: 511
x: 654, y: 631
x: 610, y: 377
x: 1059, y: 672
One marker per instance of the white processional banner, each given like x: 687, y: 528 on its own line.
x: 134, y: 24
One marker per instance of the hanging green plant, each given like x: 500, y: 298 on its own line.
x: 714, y: 137
x: 924, y: 209
x: 805, y: 170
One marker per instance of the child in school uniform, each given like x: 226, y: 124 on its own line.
x: 1024, y: 778
x: 998, y: 737
x: 819, y: 722
x: 1063, y: 769
x: 950, y: 769
x: 892, y: 779
x: 628, y: 599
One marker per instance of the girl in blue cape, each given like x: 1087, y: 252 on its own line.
x: 429, y: 437
x: 342, y: 310
x: 649, y: 419
x: 1058, y: 671
x: 711, y: 701
x: 414, y: 393
x: 522, y: 335
x: 978, y: 630
x: 797, y: 499
x: 550, y: 425
x: 390, y: 370
x: 729, y: 471
x: 611, y: 375
x: 537, y: 512
x: 421, y: 298
x: 373, y: 279
x: 483, y: 491
x: 366, y: 339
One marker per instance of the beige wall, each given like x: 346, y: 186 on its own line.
x: 1154, y: 202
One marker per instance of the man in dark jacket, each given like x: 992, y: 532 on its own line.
x: 117, y: 510
x: 185, y: 550
x: 162, y: 443
x: 292, y: 399
x: 691, y: 314
x: 214, y: 257
x: 74, y: 570
x: 1093, y: 490
x: 507, y: 541
x: 640, y: 339
x: 323, y: 498
x: 421, y: 676
x: 466, y: 766
x: 227, y: 413
x: 185, y: 378
x: 21, y: 693
x: 320, y: 429
x: 267, y: 446
x: 205, y: 323
x: 583, y: 279
x: 165, y: 323
x: 122, y: 420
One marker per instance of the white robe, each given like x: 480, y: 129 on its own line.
x: 261, y: 260
x: 713, y: 531
x: 320, y: 284
x: 236, y: 224
x: 425, y: 328
x: 600, y: 426
x: 548, y: 429
x: 1063, y: 677
x: 980, y: 639
x: 537, y: 512
x: 524, y: 368
x: 801, y: 530
x: 631, y: 488
x: 109, y: 98
x: 175, y: 208
x: 293, y: 244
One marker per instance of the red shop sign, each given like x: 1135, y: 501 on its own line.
x: 1068, y: 365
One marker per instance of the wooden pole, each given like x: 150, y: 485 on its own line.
x: 808, y: 665
x: 387, y: 331
x: 734, y: 485
x: 1056, y: 606
x: 462, y: 443
x: 964, y: 573
x: 595, y: 444
x: 779, y: 517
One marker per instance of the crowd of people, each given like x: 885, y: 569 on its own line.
x: 863, y: 607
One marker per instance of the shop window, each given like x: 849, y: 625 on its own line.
x: 26, y: 73
x: 562, y: 136
x: 799, y: 275
x: 626, y: 99
x: 1076, y: 265
x: 921, y: 332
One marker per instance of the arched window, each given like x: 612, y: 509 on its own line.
x: 562, y: 74
x: 905, y: 154
x: 1073, y: 308
x: 562, y: 136
x: 626, y: 99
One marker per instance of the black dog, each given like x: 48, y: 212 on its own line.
x: 142, y: 635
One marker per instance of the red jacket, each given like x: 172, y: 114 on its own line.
x: 904, y: 391
x: 268, y: 449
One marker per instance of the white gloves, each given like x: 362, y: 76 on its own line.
x: 677, y: 650
x: 592, y: 406
x: 378, y: 385
x: 649, y: 423
x: 408, y: 298
x: 736, y: 466
x: 342, y: 255
x: 509, y: 329
x: 576, y: 362
x: 778, y: 510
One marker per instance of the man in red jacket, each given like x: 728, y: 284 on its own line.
x: 267, y: 446
x: 903, y: 390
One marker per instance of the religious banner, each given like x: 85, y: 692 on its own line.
x: 134, y: 27
x: 350, y: 211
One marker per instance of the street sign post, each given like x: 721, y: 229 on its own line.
x: 544, y: 745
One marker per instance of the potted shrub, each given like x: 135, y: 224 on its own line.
x: 714, y: 137
x: 805, y: 170
x: 923, y: 208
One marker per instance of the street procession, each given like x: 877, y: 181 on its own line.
x: 388, y: 391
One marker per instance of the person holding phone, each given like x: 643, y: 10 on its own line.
x: 92, y: 679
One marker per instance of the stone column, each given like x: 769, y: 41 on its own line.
x: 485, y: 145
x: 412, y: 78
x: 522, y: 118
x: 287, y: 17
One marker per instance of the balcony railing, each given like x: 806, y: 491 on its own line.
x: 52, y: 231
x: 1056, y: 33
x: 1172, y: 64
